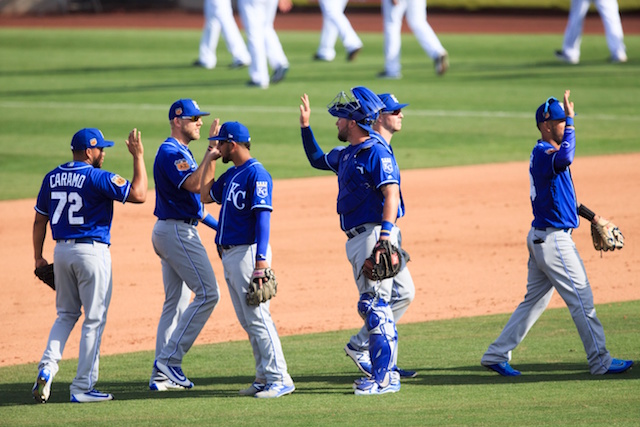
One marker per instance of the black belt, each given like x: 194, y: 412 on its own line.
x: 190, y: 221
x: 80, y: 240
x: 225, y: 247
x: 353, y: 232
x: 566, y: 230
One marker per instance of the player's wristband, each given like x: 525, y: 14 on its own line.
x: 210, y: 221
x: 586, y: 213
x: 386, y: 228
x: 569, y: 121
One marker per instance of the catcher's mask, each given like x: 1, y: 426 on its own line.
x: 362, y: 105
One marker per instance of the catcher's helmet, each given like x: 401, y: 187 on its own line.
x: 363, y: 107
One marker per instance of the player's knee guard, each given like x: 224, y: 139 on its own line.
x: 383, y: 336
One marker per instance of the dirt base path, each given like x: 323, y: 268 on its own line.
x: 465, y: 229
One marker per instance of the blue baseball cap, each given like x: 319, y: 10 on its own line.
x: 89, y: 138
x: 232, y: 131
x: 185, y: 109
x: 552, y: 109
x: 390, y: 102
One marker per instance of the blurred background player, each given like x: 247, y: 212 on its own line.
x: 76, y: 198
x: 334, y: 24
x: 218, y: 16
x: 263, y: 41
x: 610, y: 15
x: 393, y: 11
x: 244, y: 192
x: 186, y: 268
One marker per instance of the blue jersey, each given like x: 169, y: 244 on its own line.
x: 241, y: 191
x: 78, y: 199
x: 174, y: 163
x: 553, y: 197
x: 362, y: 169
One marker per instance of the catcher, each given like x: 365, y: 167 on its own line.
x: 554, y: 262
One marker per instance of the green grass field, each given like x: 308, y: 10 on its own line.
x: 452, y: 389
x: 56, y: 82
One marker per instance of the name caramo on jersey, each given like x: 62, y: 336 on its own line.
x: 67, y: 179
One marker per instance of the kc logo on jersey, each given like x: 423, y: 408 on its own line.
x: 235, y: 196
x: 182, y: 165
x: 387, y: 164
x: 262, y: 189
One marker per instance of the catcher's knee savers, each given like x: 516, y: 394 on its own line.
x: 383, y: 337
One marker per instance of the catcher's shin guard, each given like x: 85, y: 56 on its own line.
x: 383, y: 337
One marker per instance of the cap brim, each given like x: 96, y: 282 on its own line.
x: 105, y: 144
x: 395, y: 107
x: 216, y: 138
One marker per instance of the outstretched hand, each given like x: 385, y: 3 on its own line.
x: 134, y: 143
x: 568, y: 106
x: 305, y: 111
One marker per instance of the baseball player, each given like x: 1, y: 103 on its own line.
x: 185, y: 265
x: 76, y: 199
x: 610, y: 15
x: 334, y: 24
x: 403, y: 290
x: 554, y: 262
x: 244, y: 193
x: 264, y: 44
x: 218, y: 15
x: 369, y: 203
x: 416, y: 12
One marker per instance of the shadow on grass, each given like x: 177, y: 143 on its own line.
x: 16, y: 394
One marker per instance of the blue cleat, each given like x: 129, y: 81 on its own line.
x: 503, y: 369
x: 619, y: 366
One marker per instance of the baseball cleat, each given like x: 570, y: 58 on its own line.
x: 174, y: 373
x: 165, y: 385
x: 619, y: 366
x: 251, y: 83
x: 367, y: 387
x: 388, y: 76
x: 42, y: 387
x: 619, y: 59
x: 317, y: 57
x: 360, y: 358
x: 238, y: 64
x: 254, y: 388
x: 441, y: 64
x: 565, y: 58
x: 503, y: 369
x: 406, y: 374
x: 279, y: 74
x: 198, y: 63
x: 91, y: 396
x: 275, y: 390
x: 351, y: 56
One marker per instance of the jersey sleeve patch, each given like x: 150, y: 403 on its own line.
x: 182, y: 165
x: 262, y: 189
x: 387, y: 164
x: 118, y: 180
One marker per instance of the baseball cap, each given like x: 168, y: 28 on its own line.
x: 185, y: 108
x: 552, y: 109
x: 390, y: 102
x: 232, y: 131
x: 89, y: 138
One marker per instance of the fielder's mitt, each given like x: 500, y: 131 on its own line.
x: 383, y: 263
x: 263, y: 286
x: 606, y: 236
x: 45, y: 274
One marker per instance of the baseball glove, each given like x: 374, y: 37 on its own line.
x: 263, y: 286
x: 606, y: 236
x: 45, y: 274
x: 384, y: 261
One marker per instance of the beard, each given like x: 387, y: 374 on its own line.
x: 343, y: 135
x: 96, y: 163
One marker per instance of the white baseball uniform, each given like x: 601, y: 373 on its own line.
x: 416, y: 14
x: 262, y: 39
x: 610, y: 15
x: 334, y: 24
x: 218, y: 16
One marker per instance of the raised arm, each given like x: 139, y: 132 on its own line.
x: 139, y: 182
